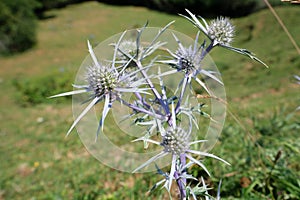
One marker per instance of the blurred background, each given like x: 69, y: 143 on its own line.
x: 42, y: 44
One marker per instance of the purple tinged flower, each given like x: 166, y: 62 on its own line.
x: 188, y: 60
x: 177, y: 142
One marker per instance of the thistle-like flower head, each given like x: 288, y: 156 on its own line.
x: 126, y: 52
x: 188, y: 59
x: 107, y: 83
x: 127, y: 48
x: 101, y: 80
x: 176, y: 141
x: 221, y: 31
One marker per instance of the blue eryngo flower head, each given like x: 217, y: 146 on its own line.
x: 188, y: 59
x: 127, y: 49
x: 104, y: 83
x: 101, y: 80
x: 126, y: 53
x: 176, y: 141
x: 221, y: 31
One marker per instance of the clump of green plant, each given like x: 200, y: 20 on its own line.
x: 136, y: 77
x: 265, y: 164
x: 32, y: 91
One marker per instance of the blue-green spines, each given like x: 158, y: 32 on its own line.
x: 135, y: 77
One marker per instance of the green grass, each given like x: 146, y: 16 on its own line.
x: 37, y: 162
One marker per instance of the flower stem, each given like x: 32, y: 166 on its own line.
x: 183, y: 180
x: 207, y: 50
x: 151, y: 85
x: 186, y: 80
x: 139, y: 109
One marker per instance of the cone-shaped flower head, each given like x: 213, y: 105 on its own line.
x: 126, y: 53
x: 176, y: 141
x: 106, y: 83
x: 101, y: 80
x: 221, y: 31
x: 127, y: 48
x: 188, y: 59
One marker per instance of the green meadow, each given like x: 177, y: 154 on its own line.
x: 260, y: 137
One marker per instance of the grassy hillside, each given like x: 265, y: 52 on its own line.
x: 37, y: 162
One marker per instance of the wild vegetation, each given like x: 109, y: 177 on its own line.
x: 260, y: 138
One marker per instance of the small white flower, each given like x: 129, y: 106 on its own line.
x: 40, y: 120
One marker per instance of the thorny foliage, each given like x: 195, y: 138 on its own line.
x: 161, y: 111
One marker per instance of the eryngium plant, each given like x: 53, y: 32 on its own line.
x: 170, y: 119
